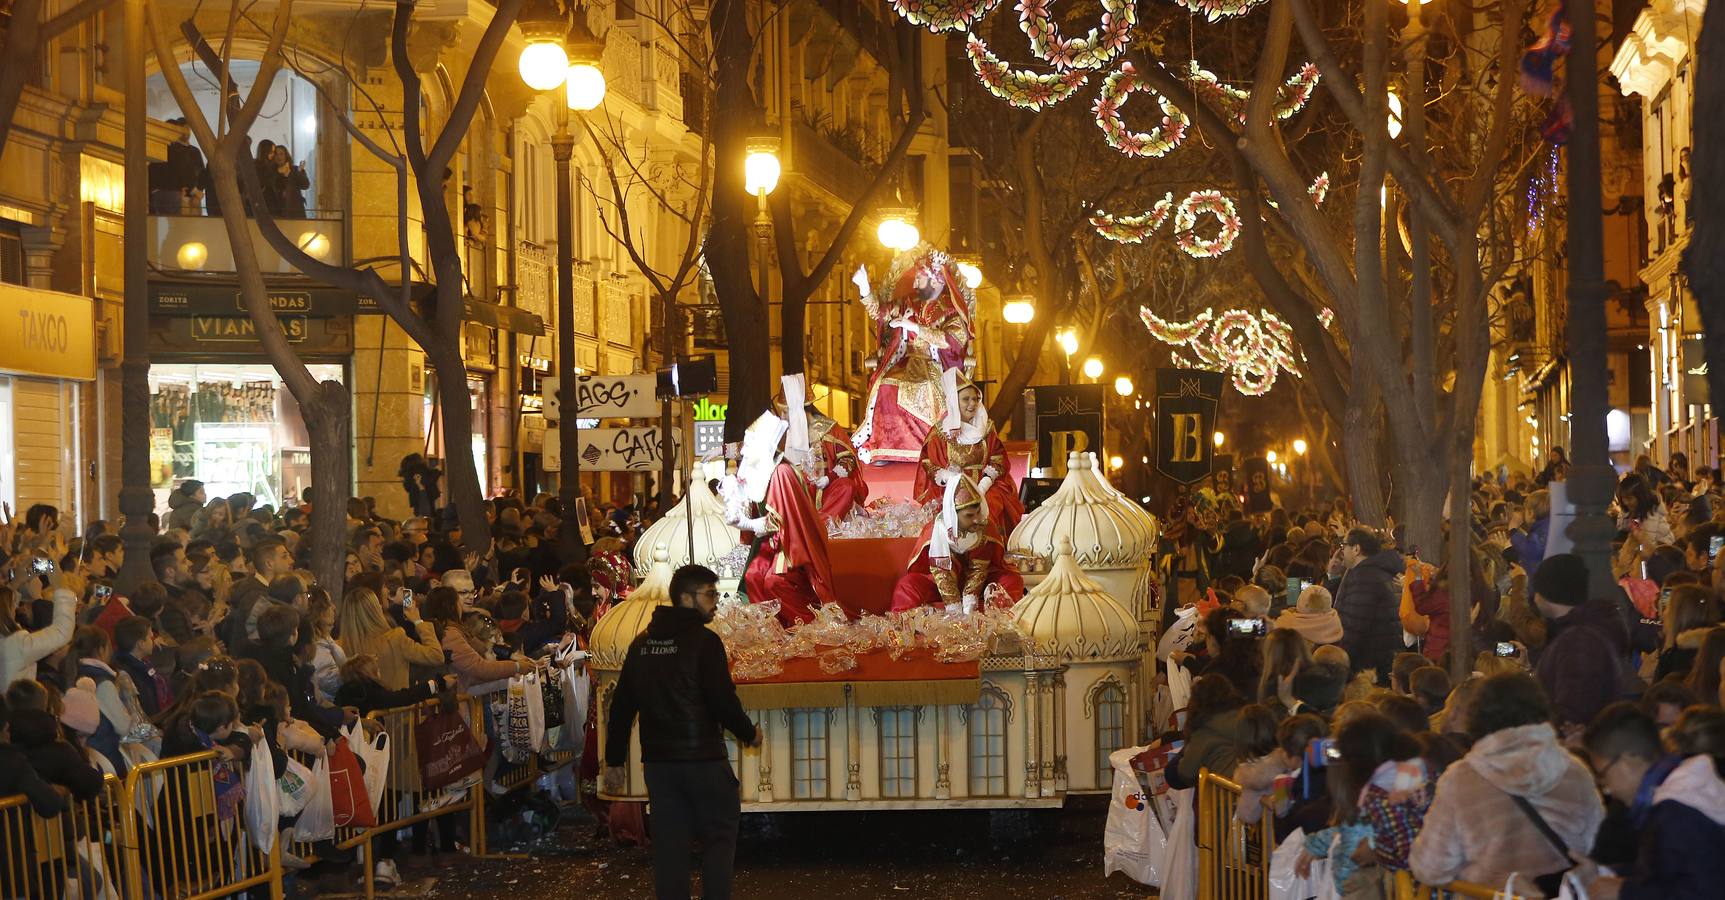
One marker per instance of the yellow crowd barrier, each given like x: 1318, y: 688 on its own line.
x: 1233, y: 858
x: 75, y: 852
x: 1406, y: 888
x: 178, y: 838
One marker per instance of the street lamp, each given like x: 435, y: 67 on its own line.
x: 548, y: 22
x: 1115, y: 462
x: 1123, y: 385
x: 1068, y: 341
x: 1395, y: 119
x: 897, y: 229
x: 761, y: 165
x: 1093, y: 368
x: 971, y: 272
x: 1019, y: 309
x: 1300, y: 446
x: 1270, y: 457
x: 1218, y: 439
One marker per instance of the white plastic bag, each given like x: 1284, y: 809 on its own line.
x: 262, y: 808
x: 373, y: 756
x: 1132, y: 841
x: 293, y: 786
x: 317, y: 820
x: 1572, y: 888
x: 577, y: 685
x: 1179, y: 635
x: 534, y: 693
x: 1285, y: 885
x: 1179, y: 687
x: 1180, y: 861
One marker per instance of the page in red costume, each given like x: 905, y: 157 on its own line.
x: 791, y: 565
x: 922, y: 582
x: 941, y: 451
x: 840, y: 494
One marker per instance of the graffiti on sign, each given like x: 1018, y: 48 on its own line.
x: 637, y: 449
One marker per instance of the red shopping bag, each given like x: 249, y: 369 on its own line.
x: 352, y: 805
x: 446, y: 749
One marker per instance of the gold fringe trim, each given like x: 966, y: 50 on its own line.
x: 795, y: 695
x: 940, y: 692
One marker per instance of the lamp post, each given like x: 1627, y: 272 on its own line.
x: 1093, y: 368
x: 136, y: 497
x: 761, y: 171
x: 897, y: 230
x: 560, y: 37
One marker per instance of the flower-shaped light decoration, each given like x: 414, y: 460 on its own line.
x: 1252, y: 349
x: 1025, y: 90
x: 1291, y: 97
x: 943, y: 15
x: 1220, y: 9
x: 1326, y: 316
x: 1094, y: 50
x: 1186, y: 220
x: 1133, y: 229
x: 1116, y: 88
x: 1320, y: 188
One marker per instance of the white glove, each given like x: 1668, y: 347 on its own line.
x: 942, y: 476
x: 860, y: 279
x: 822, y: 481
x: 907, y: 325
x: 841, y: 472
x: 984, y: 484
x: 758, y: 525
x: 990, y: 472
x: 969, y: 603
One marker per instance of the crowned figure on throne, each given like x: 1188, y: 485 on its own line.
x: 960, y: 561
x: 923, y: 326
x: 966, y: 444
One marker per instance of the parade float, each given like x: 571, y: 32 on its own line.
x: 962, y: 698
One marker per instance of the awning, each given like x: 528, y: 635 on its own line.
x: 507, y: 318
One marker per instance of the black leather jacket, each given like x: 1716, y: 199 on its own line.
x: 677, y: 680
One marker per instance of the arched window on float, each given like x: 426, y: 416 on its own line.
x: 1108, y: 699
x: 809, y: 732
x: 987, y: 724
x: 897, y: 727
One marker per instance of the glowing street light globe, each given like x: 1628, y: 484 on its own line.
x: 1068, y: 341
x: 315, y: 245
x: 1123, y: 385
x: 544, y: 65
x: 897, y: 229
x: 1093, y: 367
x: 972, y: 275
x: 1300, y: 446
x: 761, y: 169
x: 1270, y: 457
x: 1219, y: 439
x: 192, y: 255
x: 1020, y: 310
x: 586, y: 86
x: 1115, y: 462
x: 1395, y: 121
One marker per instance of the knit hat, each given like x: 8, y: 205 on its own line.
x: 1562, y: 579
x: 1320, y: 685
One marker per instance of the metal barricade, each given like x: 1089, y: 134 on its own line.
x: 180, y: 845
x: 1406, y: 888
x: 77, y: 851
x: 1233, y: 858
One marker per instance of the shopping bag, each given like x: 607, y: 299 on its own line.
x: 1283, y: 883
x: 293, y: 787
x: 351, y: 804
x: 577, y: 689
x: 1180, y: 862
x: 373, y: 753
x: 317, y: 819
x: 446, y: 749
x: 262, y: 805
x: 533, y: 709
x: 551, y: 710
x: 510, y: 714
x: 1132, y: 839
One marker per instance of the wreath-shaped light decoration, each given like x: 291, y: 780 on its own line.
x: 1252, y: 349
x: 1116, y: 89
x: 1094, y: 50
x: 1133, y: 229
x: 1320, y: 188
x: 1220, y: 9
x: 943, y: 15
x: 1326, y: 316
x: 1186, y: 218
x: 1025, y: 90
x: 1291, y: 97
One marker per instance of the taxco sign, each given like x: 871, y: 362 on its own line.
x: 1186, y: 401
x: 47, y: 333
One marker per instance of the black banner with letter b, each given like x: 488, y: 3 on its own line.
x: 1186, y: 402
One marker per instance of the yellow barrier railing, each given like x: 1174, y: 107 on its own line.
x: 1406, y: 888
x: 1233, y: 858
x: 76, y: 851
x: 177, y: 835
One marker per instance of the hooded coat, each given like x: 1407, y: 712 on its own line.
x: 1581, y: 666
x: 677, y: 680
x: 1370, y: 608
x: 1680, y: 843
x: 1475, y: 831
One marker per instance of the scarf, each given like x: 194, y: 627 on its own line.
x: 970, y: 430
x: 945, y: 538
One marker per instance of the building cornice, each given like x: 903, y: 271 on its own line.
x: 1657, y: 46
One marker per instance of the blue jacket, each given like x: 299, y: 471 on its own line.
x: 1530, y: 544
x: 1681, y: 852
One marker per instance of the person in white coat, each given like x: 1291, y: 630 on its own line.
x: 21, y: 648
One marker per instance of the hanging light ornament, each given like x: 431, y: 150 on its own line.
x: 1132, y: 229
x: 1252, y: 349
x: 1094, y: 50
x: 1220, y: 9
x: 1186, y: 220
x: 1159, y: 141
x: 1291, y: 97
x: 943, y: 15
x: 1020, y: 88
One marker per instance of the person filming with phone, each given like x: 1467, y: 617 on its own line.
x: 676, y: 679
x: 30, y: 579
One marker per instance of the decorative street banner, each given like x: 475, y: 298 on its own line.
x: 1185, y: 418
x: 1068, y: 420
x: 1256, y: 472
x: 611, y: 449
x: 608, y: 397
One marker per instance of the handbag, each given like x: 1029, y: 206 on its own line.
x: 351, y: 804
x: 1550, y: 884
x: 262, y: 802
x: 445, y: 747
x: 373, y: 753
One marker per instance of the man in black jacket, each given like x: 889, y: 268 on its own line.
x: 677, y: 680
x: 1368, y: 599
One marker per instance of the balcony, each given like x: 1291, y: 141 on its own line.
x: 180, y: 244
x: 827, y: 167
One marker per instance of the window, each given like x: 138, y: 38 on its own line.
x: 987, y: 721
x: 808, y: 754
x: 1110, y: 700
x: 897, y: 751
x: 11, y: 255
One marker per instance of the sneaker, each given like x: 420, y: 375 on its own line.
x: 386, y: 874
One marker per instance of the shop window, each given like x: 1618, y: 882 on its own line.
x: 11, y: 254
x: 809, y: 731
x: 1109, y: 700
x: 897, y: 751
x: 987, y: 722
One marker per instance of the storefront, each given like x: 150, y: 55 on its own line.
x: 47, y: 374
x: 219, y: 412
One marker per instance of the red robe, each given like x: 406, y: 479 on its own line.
x: 790, y: 564
x: 940, y: 451
x: 926, y: 584
x: 841, y: 494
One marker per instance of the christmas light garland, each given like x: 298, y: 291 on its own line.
x: 1159, y: 141
x: 1132, y: 229
x: 1186, y: 219
x: 1291, y: 97
x: 1253, y: 349
x: 943, y: 15
x: 1025, y: 90
x: 1212, y: 10
x: 1093, y: 51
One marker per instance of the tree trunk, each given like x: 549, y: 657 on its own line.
x: 1359, y: 450
x: 460, y: 473
x: 329, y: 419
x: 1704, y: 258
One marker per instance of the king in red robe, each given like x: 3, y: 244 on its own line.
x: 790, y: 562
x: 958, y: 558
x: 969, y: 446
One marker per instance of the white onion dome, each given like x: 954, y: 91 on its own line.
x: 1071, y: 615
x: 622, y: 623
x: 713, y: 538
x: 1106, y: 529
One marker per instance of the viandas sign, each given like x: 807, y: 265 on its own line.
x: 1186, y: 401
